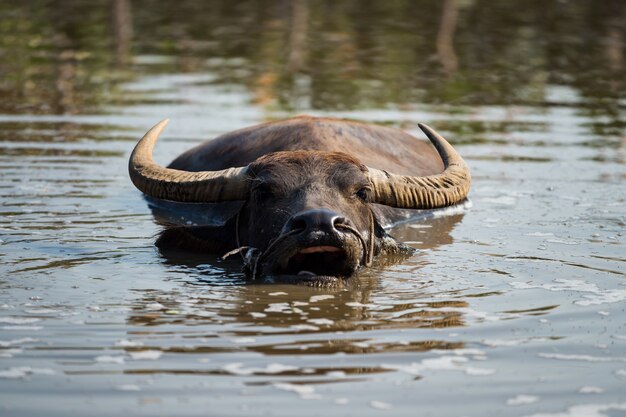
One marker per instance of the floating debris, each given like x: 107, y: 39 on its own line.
x: 24, y: 371
x: 583, y: 358
x: 238, y: 368
x: 110, y: 359
x: 244, y: 340
x: 586, y: 410
x: 380, y: 405
x: 522, y: 400
x: 19, y: 320
x: 317, y: 298
x: 591, y: 390
x: 143, y: 355
x: 306, y: 392
x: 127, y: 387
x: 128, y: 343
x: 321, y: 322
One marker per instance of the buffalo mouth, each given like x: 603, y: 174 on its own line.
x: 314, y: 262
x: 317, y: 261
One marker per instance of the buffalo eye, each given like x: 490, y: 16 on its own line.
x: 262, y: 191
x: 363, y: 193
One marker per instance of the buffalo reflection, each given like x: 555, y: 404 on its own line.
x: 296, y: 321
x: 300, y: 320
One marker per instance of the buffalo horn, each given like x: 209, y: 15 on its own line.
x: 434, y: 191
x: 172, y: 184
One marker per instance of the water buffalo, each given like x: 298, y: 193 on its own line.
x: 305, y: 199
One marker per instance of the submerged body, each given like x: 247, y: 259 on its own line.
x: 304, y: 199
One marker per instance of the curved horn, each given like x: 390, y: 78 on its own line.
x: 434, y: 191
x: 184, y: 186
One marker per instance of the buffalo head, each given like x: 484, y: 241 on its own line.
x: 307, y: 214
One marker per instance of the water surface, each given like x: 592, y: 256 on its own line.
x: 514, y: 307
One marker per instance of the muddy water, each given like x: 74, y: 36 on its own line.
x: 513, y: 307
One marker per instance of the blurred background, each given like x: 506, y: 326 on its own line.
x: 70, y: 57
x: 515, y: 307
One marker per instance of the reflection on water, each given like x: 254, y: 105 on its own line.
x: 515, y: 305
x: 301, y: 55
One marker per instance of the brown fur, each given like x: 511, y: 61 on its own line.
x: 304, y: 165
x: 375, y: 146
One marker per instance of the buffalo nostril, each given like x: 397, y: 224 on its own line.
x: 338, y: 221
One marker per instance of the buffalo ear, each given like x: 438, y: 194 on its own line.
x: 205, y: 239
